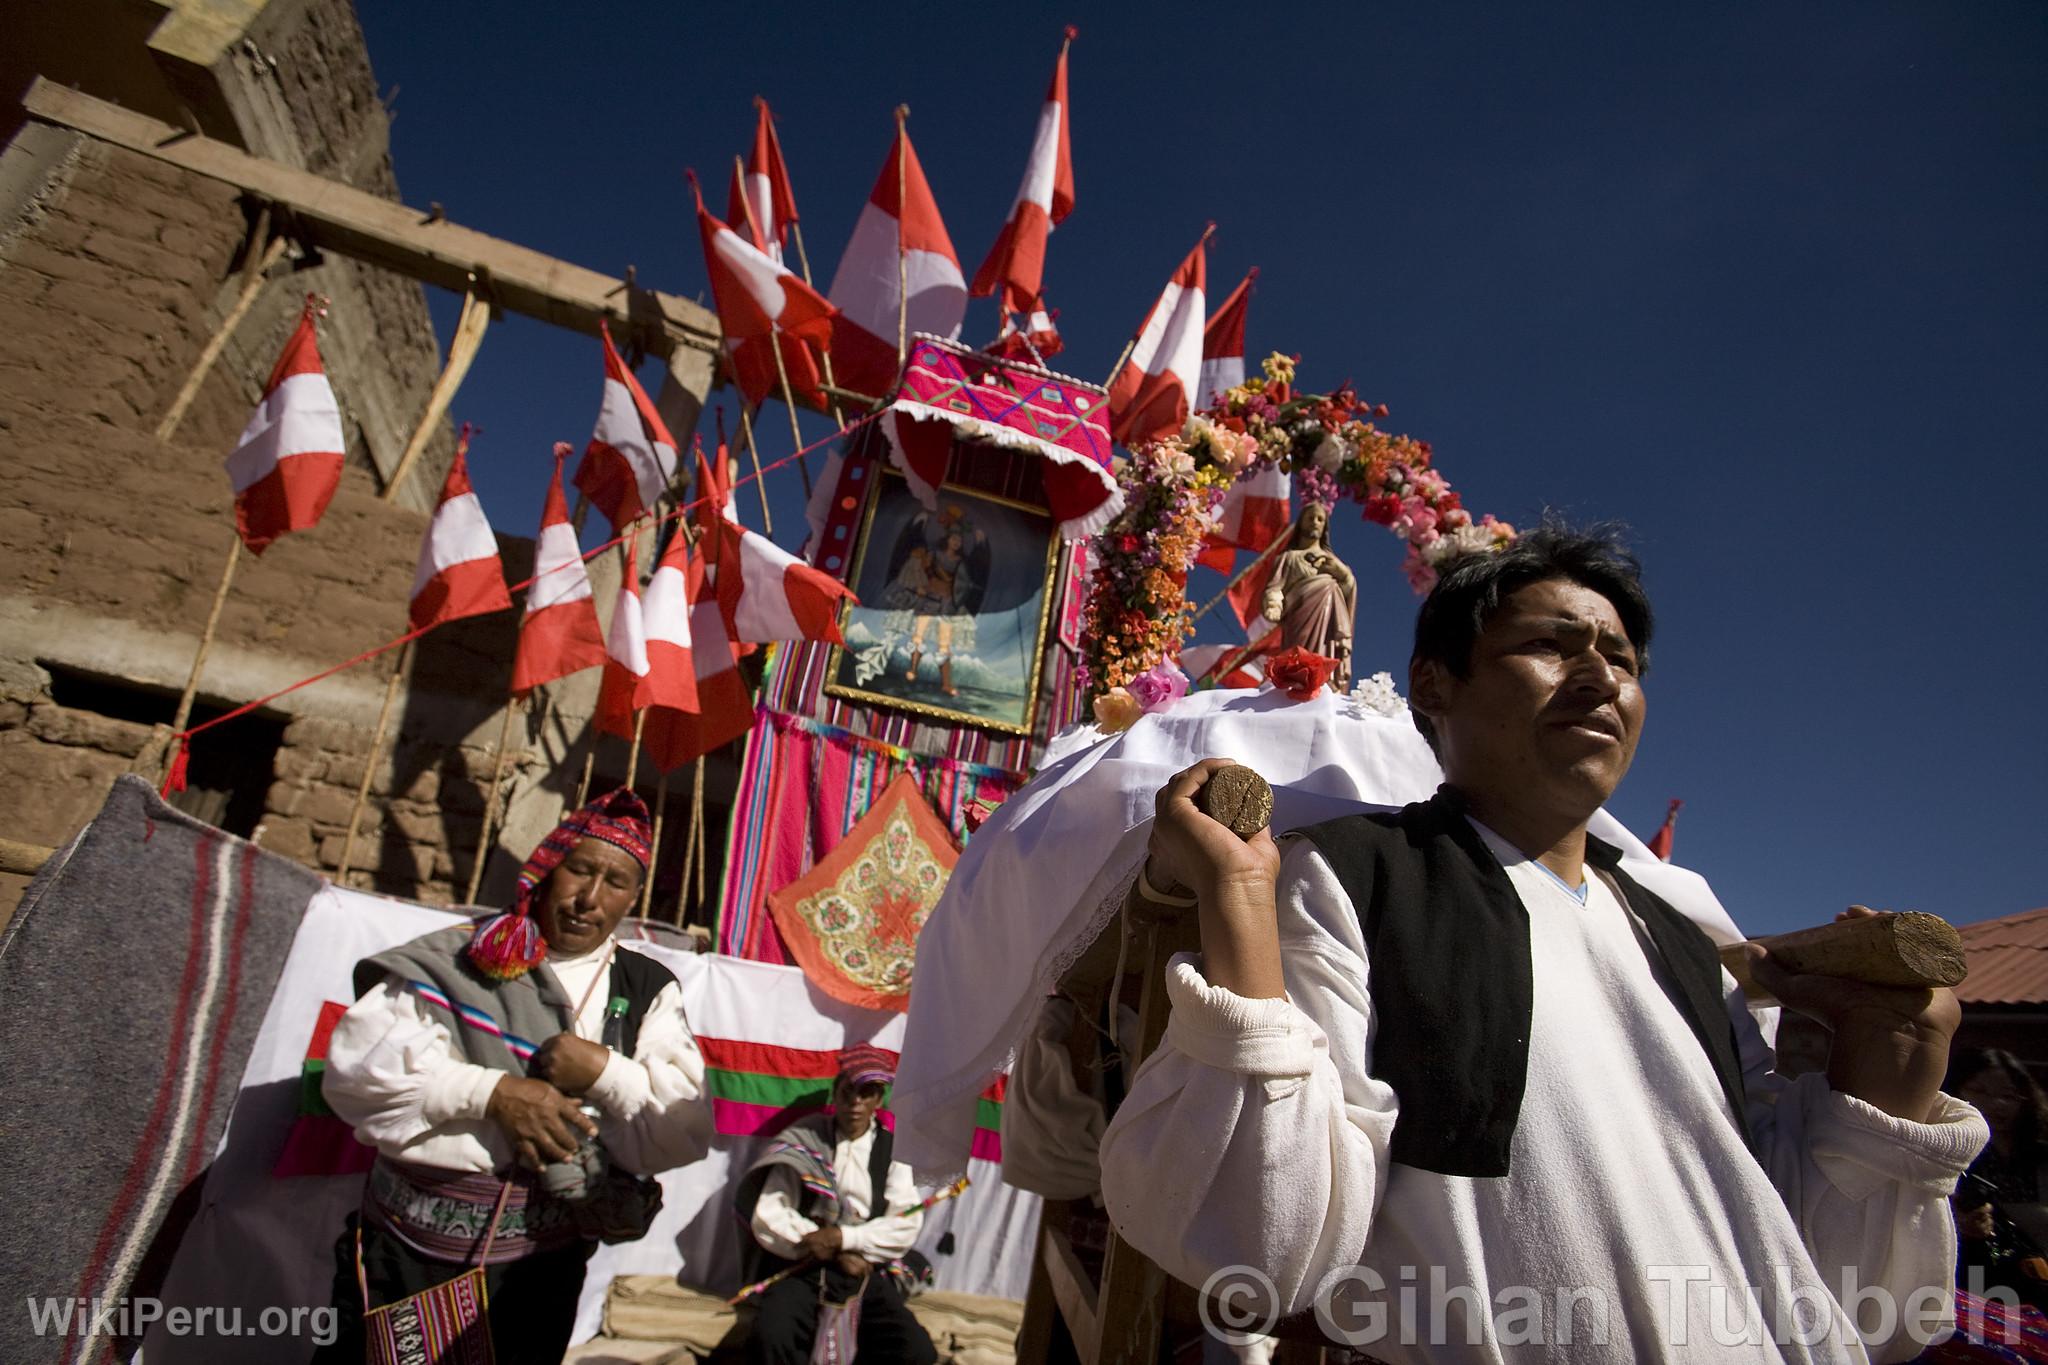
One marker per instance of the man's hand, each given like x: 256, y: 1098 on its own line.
x: 570, y: 1064
x: 544, y: 1124
x: 1890, y: 1044
x: 821, y: 1244
x: 1232, y: 880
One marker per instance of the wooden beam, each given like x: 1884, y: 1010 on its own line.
x: 1072, y: 1291
x: 426, y: 247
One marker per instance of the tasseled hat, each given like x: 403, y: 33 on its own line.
x: 508, y: 946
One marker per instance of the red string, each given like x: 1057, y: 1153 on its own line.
x: 246, y: 707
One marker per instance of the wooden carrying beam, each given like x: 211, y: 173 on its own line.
x: 426, y: 247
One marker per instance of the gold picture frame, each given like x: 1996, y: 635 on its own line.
x: 985, y: 565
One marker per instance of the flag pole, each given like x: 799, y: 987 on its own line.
x: 483, y: 843
x: 583, y: 787
x: 355, y: 812
x: 633, y: 750
x: 697, y: 834
x: 256, y: 265
x: 1280, y: 542
x: 653, y: 844
x: 220, y: 597
x: 760, y: 484
x: 902, y: 256
x: 775, y: 345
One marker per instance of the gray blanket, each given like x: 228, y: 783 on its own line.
x: 132, y: 982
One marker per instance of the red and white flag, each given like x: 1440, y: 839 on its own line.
x: 1037, y: 340
x: 724, y: 711
x: 625, y: 656
x: 761, y: 206
x: 763, y: 592
x: 762, y: 305
x: 1660, y: 842
x: 1016, y: 263
x: 631, y: 456
x: 671, y: 677
x: 559, y: 634
x: 459, y: 572
x: 1255, y: 511
x: 1155, y: 391
x: 1239, y: 665
x: 1223, y: 343
x: 899, y: 241
x: 288, y: 463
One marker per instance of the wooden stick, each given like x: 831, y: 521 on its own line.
x: 583, y: 787
x: 830, y: 387
x: 483, y: 843
x: 633, y: 750
x: 697, y: 828
x: 1118, y: 368
x: 1280, y: 542
x: 355, y: 812
x: 1912, y: 950
x: 653, y: 845
x: 902, y: 256
x: 220, y: 597
x: 760, y: 484
x: 255, y: 273
x: 462, y: 349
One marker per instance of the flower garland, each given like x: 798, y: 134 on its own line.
x: 1137, y: 613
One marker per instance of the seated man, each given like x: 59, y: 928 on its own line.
x: 1454, y: 1063
x: 827, y: 1198
x: 433, y: 1066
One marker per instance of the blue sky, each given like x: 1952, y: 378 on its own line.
x: 1768, y: 282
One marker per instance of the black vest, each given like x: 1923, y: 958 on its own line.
x: 1447, y: 940
x: 755, y: 1259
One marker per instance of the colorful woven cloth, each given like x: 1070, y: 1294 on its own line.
x: 1989, y: 1333
x: 864, y: 1062
x: 852, y: 921
x: 949, y: 392
x: 618, y: 818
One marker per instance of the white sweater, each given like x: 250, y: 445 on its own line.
x: 1255, y: 1137
x: 392, y: 1073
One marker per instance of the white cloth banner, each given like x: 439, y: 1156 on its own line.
x: 260, y: 1241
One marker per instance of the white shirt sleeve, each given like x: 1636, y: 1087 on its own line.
x: 888, y: 1235
x: 392, y: 1074
x: 777, y: 1225
x: 1254, y: 1135
x: 1867, y: 1191
x: 656, y: 1111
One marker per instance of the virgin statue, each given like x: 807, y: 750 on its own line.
x: 1313, y: 595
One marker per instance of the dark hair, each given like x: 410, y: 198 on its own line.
x: 1472, y: 587
x: 1968, y: 1062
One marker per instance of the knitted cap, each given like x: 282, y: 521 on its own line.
x: 864, y: 1063
x: 510, y: 945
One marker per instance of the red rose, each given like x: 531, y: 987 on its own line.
x: 1383, y: 510
x: 1299, y: 673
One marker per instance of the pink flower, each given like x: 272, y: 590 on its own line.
x: 1159, y: 687
x: 1421, y: 577
x: 1457, y: 519
x: 1117, y: 710
x: 1420, y: 516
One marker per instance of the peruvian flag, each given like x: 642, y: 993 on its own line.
x: 1255, y: 511
x: 899, y: 240
x: 1155, y: 391
x: 1037, y: 340
x: 761, y: 206
x: 1016, y: 263
x: 459, y: 573
x: 762, y: 305
x: 1660, y: 842
x: 671, y: 677
x: 631, y: 456
x: 724, y: 711
x: 1241, y: 665
x: 559, y: 634
x: 625, y: 656
x: 1223, y: 343
x: 288, y: 463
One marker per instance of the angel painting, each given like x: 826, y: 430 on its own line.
x: 940, y: 569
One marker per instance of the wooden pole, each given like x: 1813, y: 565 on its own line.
x: 774, y: 345
x: 462, y: 349
x: 697, y: 828
x: 1118, y: 368
x: 831, y: 385
x: 1280, y: 542
x: 220, y: 597
x: 654, y: 846
x: 583, y: 787
x: 483, y: 843
x: 902, y: 256
x: 255, y: 272
x: 760, y: 484
x: 355, y: 812
x: 633, y: 749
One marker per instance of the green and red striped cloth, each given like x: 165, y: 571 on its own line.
x: 761, y: 1087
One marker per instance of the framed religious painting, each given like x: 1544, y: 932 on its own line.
x: 954, y: 603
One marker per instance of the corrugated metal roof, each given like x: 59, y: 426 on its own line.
x: 2008, y: 960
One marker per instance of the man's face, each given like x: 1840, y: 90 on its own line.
x: 1315, y: 519
x: 1552, y: 708
x: 586, y: 896
x: 854, y: 1106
